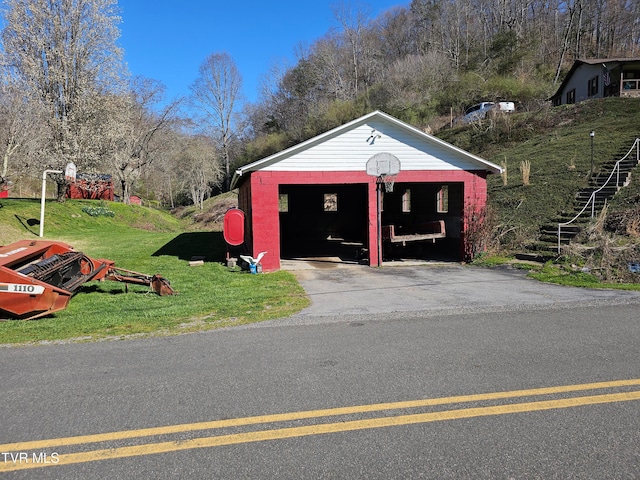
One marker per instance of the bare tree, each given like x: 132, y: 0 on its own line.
x: 574, y: 10
x: 333, y: 64
x: 132, y: 131
x: 200, y: 170
x: 22, y: 127
x: 396, y: 34
x: 66, y: 53
x: 443, y: 27
x: 414, y: 79
x: 354, y: 24
x: 296, y: 97
x: 216, y: 92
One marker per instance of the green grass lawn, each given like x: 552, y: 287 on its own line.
x: 147, y: 241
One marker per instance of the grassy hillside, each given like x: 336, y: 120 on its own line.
x: 20, y: 218
x: 211, y: 216
x: 556, y: 143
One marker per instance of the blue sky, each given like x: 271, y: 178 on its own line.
x: 168, y: 40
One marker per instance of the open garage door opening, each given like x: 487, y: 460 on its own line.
x: 422, y: 221
x: 324, y: 222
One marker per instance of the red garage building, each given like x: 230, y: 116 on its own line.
x: 316, y: 198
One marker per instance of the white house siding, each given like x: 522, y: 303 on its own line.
x: 350, y: 150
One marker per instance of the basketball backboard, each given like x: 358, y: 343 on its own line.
x: 383, y: 163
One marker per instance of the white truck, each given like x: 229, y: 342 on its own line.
x: 480, y: 110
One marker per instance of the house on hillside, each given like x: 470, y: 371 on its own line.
x: 318, y: 199
x: 599, y: 78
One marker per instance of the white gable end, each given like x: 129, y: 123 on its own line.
x: 350, y: 151
x: 347, y: 148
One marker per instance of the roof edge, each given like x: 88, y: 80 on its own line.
x: 588, y: 61
x: 251, y: 167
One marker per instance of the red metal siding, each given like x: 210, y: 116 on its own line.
x: 259, y: 199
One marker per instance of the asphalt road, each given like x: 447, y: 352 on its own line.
x: 522, y: 335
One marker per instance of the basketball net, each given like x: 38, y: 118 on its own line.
x: 388, y: 181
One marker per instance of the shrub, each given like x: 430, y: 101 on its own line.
x: 98, y: 211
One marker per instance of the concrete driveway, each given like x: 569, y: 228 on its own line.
x: 337, y: 290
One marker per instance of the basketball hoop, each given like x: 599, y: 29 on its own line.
x: 388, y: 180
x: 385, y: 167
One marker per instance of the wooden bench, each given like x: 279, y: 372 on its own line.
x: 426, y: 232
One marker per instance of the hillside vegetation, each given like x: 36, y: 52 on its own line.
x: 556, y: 144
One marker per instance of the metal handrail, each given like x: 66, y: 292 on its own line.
x: 592, y: 198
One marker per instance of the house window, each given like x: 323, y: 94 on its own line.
x: 406, y: 201
x: 330, y: 202
x: 571, y: 96
x: 592, y: 87
x: 630, y: 82
x: 283, y: 203
x: 442, y: 199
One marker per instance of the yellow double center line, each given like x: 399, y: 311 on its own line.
x: 9, y: 463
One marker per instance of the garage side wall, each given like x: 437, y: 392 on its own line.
x: 244, y: 203
x: 263, y: 214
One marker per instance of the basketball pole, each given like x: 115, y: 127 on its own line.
x: 380, y: 166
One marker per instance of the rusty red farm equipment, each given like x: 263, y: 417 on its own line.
x: 39, y: 277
